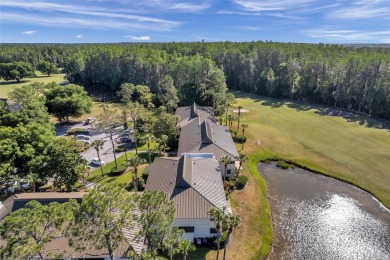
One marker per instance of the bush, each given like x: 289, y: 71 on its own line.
x: 81, y: 146
x: 46, y: 188
x: 242, y: 180
x: 76, y: 131
x: 145, y: 175
x: 115, y: 172
x: 141, y: 184
x: 233, y: 132
x: 119, y: 149
x: 284, y: 165
x: 239, y: 138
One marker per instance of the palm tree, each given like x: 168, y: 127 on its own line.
x: 219, y: 217
x: 149, y: 139
x: 134, y: 162
x: 238, y: 118
x: 225, y: 160
x: 33, y: 179
x: 185, y: 246
x: 232, y: 221
x: 231, y: 118
x: 242, y: 158
x: 163, y: 141
x: 107, y: 121
x: 244, y: 126
x: 136, y: 111
x: 98, y: 145
x: 171, y: 241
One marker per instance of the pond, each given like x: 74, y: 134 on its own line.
x: 317, y: 217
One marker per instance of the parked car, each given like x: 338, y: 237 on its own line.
x: 123, y: 139
x: 82, y: 137
x: 97, y: 162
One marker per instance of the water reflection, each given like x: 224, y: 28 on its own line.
x: 321, y: 218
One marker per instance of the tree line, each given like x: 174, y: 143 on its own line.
x: 349, y: 78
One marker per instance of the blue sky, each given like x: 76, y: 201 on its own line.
x: 71, y: 21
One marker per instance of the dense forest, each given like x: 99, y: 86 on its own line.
x: 344, y: 77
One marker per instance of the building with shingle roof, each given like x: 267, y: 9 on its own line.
x: 200, y: 133
x: 190, y: 113
x: 194, y: 183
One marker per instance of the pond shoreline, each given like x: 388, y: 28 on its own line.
x: 304, y: 167
x: 282, y: 190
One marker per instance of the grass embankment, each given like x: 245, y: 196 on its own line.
x: 352, y: 148
x: 8, y: 86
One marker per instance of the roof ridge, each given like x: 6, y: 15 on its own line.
x: 203, y: 196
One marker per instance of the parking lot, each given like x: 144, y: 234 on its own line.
x: 106, y: 153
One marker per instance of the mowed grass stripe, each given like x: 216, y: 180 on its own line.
x: 337, y: 146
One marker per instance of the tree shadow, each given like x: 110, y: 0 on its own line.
x: 353, y: 117
x: 298, y: 106
x: 349, y: 116
x: 6, y: 83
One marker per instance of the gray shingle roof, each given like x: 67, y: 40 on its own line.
x: 190, y: 113
x: 194, y: 184
x: 206, y: 137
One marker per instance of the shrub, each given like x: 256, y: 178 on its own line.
x: 141, y: 184
x: 242, y: 180
x: 81, y: 146
x: 233, y: 132
x: 76, y: 131
x: 239, y: 138
x: 115, y: 172
x: 145, y: 175
x: 284, y: 165
x: 119, y: 149
x: 46, y: 187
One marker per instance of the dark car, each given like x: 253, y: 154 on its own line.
x: 123, y: 139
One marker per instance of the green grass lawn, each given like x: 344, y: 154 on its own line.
x: 8, y: 86
x: 346, y: 148
x: 96, y: 175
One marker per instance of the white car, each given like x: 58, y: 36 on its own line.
x: 82, y: 137
x: 95, y: 161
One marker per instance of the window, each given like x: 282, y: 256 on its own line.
x: 229, y: 171
x: 188, y: 229
x: 213, y: 231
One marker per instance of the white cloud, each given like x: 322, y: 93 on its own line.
x: 339, y: 35
x: 363, y: 9
x: 174, y: 5
x: 79, y: 36
x: 270, y: 5
x: 189, y: 7
x: 138, y: 38
x: 29, y: 32
x: 249, y: 28
x: 86, y: 16
x: 87, y: 22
